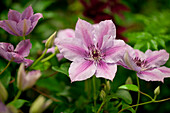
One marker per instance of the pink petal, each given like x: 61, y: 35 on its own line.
x: 151, y: 75
x: 36, y: 17
x: 81, y: 70
x: 129, y: 63
x: 51, y: 50
x: 17, y: 58
x: 84, y: 31
x: 21, y: 77
x: 66, y: 33
x: 106, y: 71
x: 24, y: 27
x: 31, y: 78
x: 104, y: 29
x: 28, y: 12
x: 14, y: 15
x: 71, y: 48
x: 59, y: 56
x: 4, y: 48
x: 28, y: 62
x: 3, y: 108
x: 115, y: 53
x: 140, y: 54
x: 10, y: 26
x: 165, y: 70
x: 34, y: 20
x: 23, y: 48
x: 156, y: 58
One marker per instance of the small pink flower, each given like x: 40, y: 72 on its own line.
x: 17, y: 55
x: 147, y: 65
x: 20, y: 24
x: 93, y: 50
x: 27, y: 80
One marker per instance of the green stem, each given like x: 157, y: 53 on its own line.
x: 39, y: 58
x: 101, y: 106
x: 155, y: 101
x: 18, y: 95
x: 138, y: 92
x: 94, y: 90
x: 6, y: 67
x: 146, y: 95
x: 135, y: 105
x: 23, y: 37
x: 49, y: 57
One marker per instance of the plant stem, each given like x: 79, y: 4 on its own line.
x: 39, y: 58
x: 138, y: 92
x: 135, y: 105
x: 24, y: 37
x: 145, y: 94
x: 18, y: 95
x: 6, y: 67
x: 101, y: 106
x: 152, y: 101
x: 94, y: 90
x: 55, y: 100
x: 49, y: 57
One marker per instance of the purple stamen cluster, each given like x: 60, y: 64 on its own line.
x: 139, y: 62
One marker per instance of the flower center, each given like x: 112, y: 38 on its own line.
x: 140, y: 63
x: 95, y: 54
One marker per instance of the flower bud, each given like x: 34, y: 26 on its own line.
x: 3, y: 93
x: 26, y: 80
x: 157, y: 91
x: 129, y: 80
x: 102, y: 94
x: 107, y: 86
x: 39, y: 105
x: 50, y: 41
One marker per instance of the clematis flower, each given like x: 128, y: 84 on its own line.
x: 93, y: 50
x: 27, y: 80
x: 147, y: 65
x: 17, y: 55
x: 20, y: 24
x: 67, y: 33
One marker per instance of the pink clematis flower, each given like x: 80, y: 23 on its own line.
x: 93, y: 50
x: 147, y: 65
x: 67, y: 33
x: 20, y: 24
x: 27, y: 80
x: 17, y: 55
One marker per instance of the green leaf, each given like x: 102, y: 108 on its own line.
x: 49, y: 84
x: 18, y: 103
x: 124, y: 105
x: 138, y: 36
x: 6, y: 79
x: 131, y: 87
x: 125, y: 95
x: 148, y: 45
x: 62, y: 69
x: 155, y: 45
x: 42, y: 66
x: 139, y: 45
x: 160, y: 41
x: 6, y: 75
